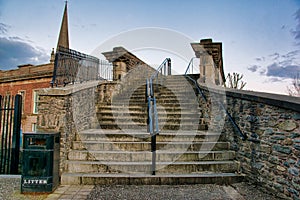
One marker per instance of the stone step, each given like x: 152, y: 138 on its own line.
x: 173, y: 100
x: 146, y: 146
x: 170, y: 90
x: 116, y: 107
x: 131, y: 136
x: 145, y: 167
x: 182, y: 93
x: 161, y: 156
x: 114, y: 126
x: 139, y: 125
x: 166, y: 118
x: 142, y: 113
x: 147, y: 179
x: 160, y: 94
x: 174, y: 87
x: 162, y: 127
x: 124, y: 110
x: 142, y: 107
x: 179, y: 100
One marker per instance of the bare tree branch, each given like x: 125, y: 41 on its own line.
x: 235, y: 81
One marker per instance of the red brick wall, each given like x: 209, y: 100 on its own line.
x: 29, y: 86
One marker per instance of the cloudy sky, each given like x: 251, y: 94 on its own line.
x: 261, y: 39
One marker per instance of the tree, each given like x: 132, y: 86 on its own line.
x: 235, y: 81
x: 294, y: 90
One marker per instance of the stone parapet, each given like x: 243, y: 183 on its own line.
x: 274, y: 162
x: 67, y: 110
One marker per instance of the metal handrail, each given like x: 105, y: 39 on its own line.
x: 189, y: 65
x: 162, y: 68
x: 152, y: 121
x: 236, y: 127
x: 191, y: 79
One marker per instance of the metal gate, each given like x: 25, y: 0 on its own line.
x: 10, y: 127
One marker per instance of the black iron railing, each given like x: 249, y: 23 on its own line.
x: 10, y: 129
x: 190, y: 68
x: 71, y: 67
x: 152, y: 122
x: 105, y: 70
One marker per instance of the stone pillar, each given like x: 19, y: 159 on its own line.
x: 211, y: 62
x: 119, y: 70
x: 207, y: 68
x: 217, y: 76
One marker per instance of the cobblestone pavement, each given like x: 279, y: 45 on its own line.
x: 10, y: 190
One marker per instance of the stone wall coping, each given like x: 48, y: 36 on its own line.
x: 282, y: 101
x: 69, y: 89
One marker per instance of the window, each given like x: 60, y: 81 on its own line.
x: 33, y: 127
x: 35, y: 102
x: 22, y: 93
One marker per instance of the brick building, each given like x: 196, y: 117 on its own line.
x: 27, y: 79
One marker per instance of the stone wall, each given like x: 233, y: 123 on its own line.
x: 67, y: 110
x: 105, y: 91
x: 274, y: 120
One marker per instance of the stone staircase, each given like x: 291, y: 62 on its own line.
x: 119, y: 150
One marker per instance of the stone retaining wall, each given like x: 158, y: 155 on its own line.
x: 274, y: 162
x: 67, y: 110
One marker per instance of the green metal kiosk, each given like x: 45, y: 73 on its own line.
x: 40, y: 172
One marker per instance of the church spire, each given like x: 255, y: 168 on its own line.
x: 63, y: 39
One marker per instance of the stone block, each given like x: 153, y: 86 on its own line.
x: 298, y: 164
x: 297, y: 146
x: 287, y: 125
x: 280, y: 168
x: 293, y: 191
x: 274, y: 160
x: 293, y: 171
x: 282, y: 149
x: 282, y: 181
x: 258, y: 165
x: 294, y: 135
x: 265, y: 149
x: 269, y: 131
x: 278, y: 137
x: 296, y: 116
x: 279, y: 187
x: 296, y: 186
x: 287, y: 141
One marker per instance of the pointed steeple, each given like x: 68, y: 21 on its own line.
x: 63, y: 39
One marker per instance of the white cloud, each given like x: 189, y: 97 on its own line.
x: 14, y: 51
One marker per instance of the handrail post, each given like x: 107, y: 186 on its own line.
x: 152, y: 115
x: 153, y: 150
x: 169, y: 67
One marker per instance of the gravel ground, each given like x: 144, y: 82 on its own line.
x: 178, y: 192
x: 252, y: 192
x: 10, y: 189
